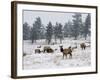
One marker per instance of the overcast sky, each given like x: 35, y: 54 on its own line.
x: 61, y: 17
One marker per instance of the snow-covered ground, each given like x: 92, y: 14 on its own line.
x: 80, y: 57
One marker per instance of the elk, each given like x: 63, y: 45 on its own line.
x: 83, y: 46
x: 48, y: 49
x: 66, y: 51
x: 37, y: 51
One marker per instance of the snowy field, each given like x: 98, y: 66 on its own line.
x: 80, y: 58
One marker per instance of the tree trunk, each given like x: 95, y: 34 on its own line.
x: 55, y: 40
x: 85, y: 37
x: 49, y: 41
x: 60, y: 41
x: 32, y: 41
x: 75, y: 38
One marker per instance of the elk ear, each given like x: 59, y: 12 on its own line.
x: 69, y: 46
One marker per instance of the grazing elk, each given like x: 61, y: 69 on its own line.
x: 48, y: 49
x: 66, y: 51
x: 37, y: 51
x: 83, y: 46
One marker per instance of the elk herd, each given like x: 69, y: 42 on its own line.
x: 64, y: 51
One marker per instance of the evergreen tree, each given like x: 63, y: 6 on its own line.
x: 34, y: 34
x: 67, y: 29
x: 49, y: 32
x: 42, y: 31
x: 60, y: 32
x: 26, y: 31
x: 36, y: 30
x: 81, y: 26
x: 56, y: 32
x: 87, y: 25
x: 76, y: 25
x: 38, y: 25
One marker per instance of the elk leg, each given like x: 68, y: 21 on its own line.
x: 66, y: 56
x: 39, y: 51
x: 84, y: 48
x: 70, y: 55
x: 43, y: 51
x: 63, y: 56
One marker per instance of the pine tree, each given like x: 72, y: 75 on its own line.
x: 26, y: 31
x: 37, y: 26
x: 60, y: 32
x: 56, y: 32
x: 76, y: 25
x: 87, y: 26
x: 42, y: 31
x: 36, y: 30
x: 68, y: 29
x: 49, y: 32
x: 34, y: 34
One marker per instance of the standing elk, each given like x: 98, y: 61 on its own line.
x: 66, y: 51
x: 83, y: 46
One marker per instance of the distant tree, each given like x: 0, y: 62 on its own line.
x: 56, y: 32
x: 87, y: 24
x: 76, y: 25
x: 38, y: 25
x: 49, y: 32
x: 67, y: 29
x: 26, y: 31
x: 81, y: 26
x: 60, y: 32
x: 36, y: 30
x: 34, y: 34
x: 81, y: 29
x: 42, y: 31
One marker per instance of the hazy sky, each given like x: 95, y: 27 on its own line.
x: 61, y: 17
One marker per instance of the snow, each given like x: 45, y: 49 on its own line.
x: 80, y: 57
